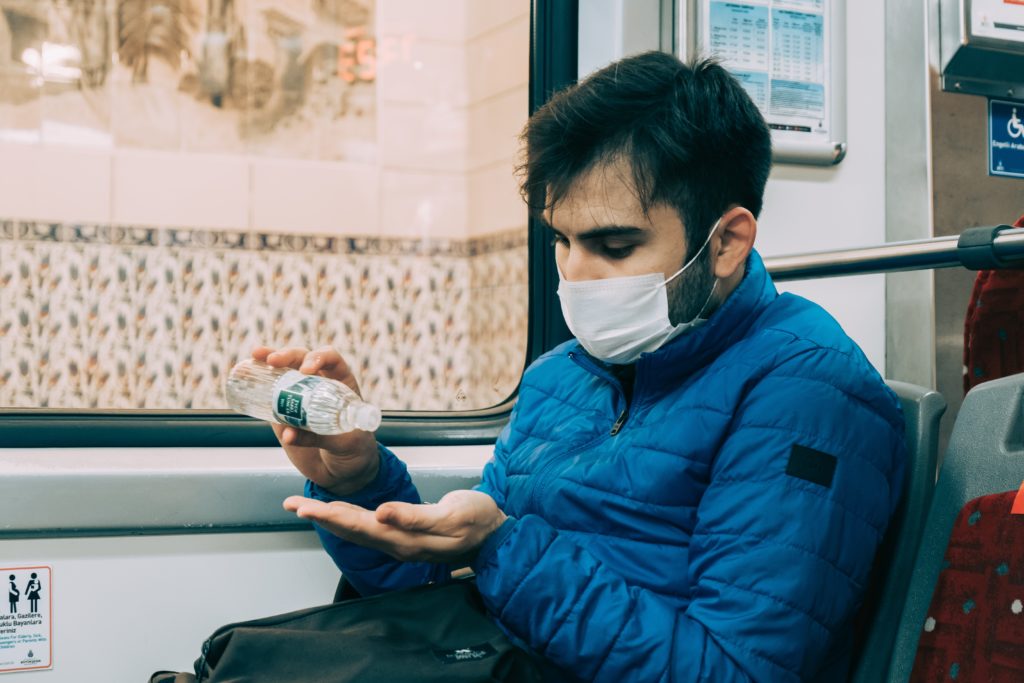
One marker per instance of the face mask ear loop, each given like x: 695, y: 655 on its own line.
x: 707, y: 301
x: 695, y: 256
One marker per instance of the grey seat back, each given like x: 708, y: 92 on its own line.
x: 985, y: 455
x: 922, y: 411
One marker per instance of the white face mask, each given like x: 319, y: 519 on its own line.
x: 618, y: 318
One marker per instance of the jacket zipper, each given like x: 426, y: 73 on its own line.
x: 551, y: 463
x: 620, y: 421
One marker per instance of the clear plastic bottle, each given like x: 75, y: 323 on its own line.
x: 286, y: 396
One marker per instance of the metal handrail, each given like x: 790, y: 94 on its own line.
x: 1006, y: 246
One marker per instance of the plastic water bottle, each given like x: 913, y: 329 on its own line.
x: 286, y: 396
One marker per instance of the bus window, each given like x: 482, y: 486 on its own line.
x: 195, y: 181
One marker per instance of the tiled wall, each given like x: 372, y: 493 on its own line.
x: 424, y: 148
x: 95, y: 316
x: 161, y: 219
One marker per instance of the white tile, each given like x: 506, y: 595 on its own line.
x: 21, y: 112
x: 423, y: 136
x: 495, y: 203
x: 431, y: 73
x: 54, y: 183
x: 499, y: 61
x: 146, y: 115
x: 19, y: 181
x: 486, y: 15
x: 495, y: 125
x: 427, y: 205
x: 183, y: 190
x: 441, y: 20
x: 75, y: 185
x: 315, y: 196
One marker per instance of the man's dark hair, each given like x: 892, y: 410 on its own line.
x: 692, y: 135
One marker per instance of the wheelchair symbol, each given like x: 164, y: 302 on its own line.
x: 1014, y: 126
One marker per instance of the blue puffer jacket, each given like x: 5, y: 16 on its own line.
x: 724, y: 533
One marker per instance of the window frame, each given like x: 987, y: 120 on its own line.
x: 553, y: 65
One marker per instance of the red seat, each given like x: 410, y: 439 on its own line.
x: 994, y: 326
x: 974, y: 629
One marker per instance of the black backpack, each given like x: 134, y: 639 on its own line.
x: 430, y: 633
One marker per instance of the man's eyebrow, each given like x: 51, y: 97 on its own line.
x: 610, y: 231
x: 600, y: 231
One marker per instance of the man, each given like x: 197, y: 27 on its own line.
x: 695, y: 487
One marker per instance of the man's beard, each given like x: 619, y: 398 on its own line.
x: 688, y: 294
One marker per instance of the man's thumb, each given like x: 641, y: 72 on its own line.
x: 407, y: 516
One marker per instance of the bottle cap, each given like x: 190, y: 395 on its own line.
x: 365, y: 416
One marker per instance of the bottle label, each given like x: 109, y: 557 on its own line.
x: 289, y: 397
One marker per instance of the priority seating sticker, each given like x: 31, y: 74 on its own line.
x: 26, y: 620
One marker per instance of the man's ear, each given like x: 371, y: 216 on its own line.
x: 733, y: 241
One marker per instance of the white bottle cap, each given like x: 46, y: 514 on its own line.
x: 365, y: 416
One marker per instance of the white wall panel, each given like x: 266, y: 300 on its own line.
x: 817, y: 209
x: 124, y: 607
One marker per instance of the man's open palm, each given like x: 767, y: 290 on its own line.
x: 450, y: 531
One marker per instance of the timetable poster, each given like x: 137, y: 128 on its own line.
x: 778, y: 50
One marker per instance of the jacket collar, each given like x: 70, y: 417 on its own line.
x: 673, y: 363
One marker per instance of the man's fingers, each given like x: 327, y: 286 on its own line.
x: 313, y: 507
x: 325, y: 360
x: 351, y: 523
x: 337, y: 513
x: 293, y: 503
x: 329, y: 362
x: 360, y: 526
x: 299, y: 437
x: 290, y: 357
x: 410, y: 517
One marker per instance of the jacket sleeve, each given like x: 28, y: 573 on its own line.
x: 372, y: 571
x: 777, y: 560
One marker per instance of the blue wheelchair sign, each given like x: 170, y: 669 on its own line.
x: 1006, y: 138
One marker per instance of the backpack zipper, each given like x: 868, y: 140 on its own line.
x: 274, y: 620
x: 200, y: 666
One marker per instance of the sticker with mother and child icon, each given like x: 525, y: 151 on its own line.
x: 32, y: 589
x: 26, y: 635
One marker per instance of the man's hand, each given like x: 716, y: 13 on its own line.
x: 341, y: 463
x: 450, y: 531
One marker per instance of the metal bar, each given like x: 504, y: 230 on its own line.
x: 940, y: 252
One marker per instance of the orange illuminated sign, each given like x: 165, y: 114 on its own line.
x: 358, y: 56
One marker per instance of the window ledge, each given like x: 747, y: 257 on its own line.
x: 48, y: 492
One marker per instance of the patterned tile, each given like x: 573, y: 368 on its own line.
x: 95, y: 316
x: 157, y: 348
x: 338, y: 314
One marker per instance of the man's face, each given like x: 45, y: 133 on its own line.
x: 601, y: 232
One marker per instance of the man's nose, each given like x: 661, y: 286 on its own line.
x: 578, y: 266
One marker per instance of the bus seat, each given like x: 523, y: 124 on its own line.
x: 994, y: 332
x: 985, y: 456
x: 922, y: 410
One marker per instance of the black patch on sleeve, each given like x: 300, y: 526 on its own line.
x: 810, y: 465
